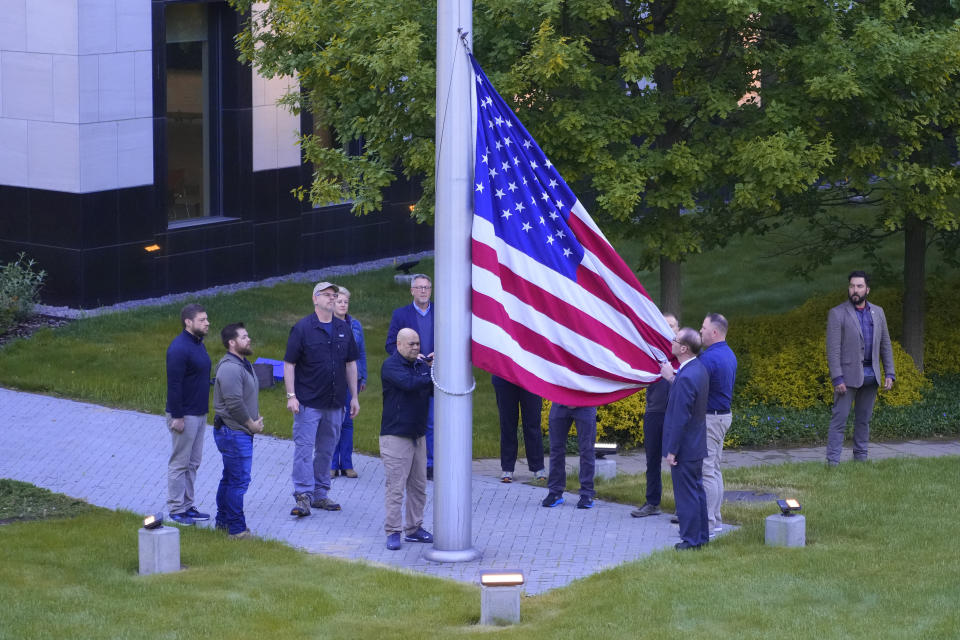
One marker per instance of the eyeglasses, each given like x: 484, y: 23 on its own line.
x: 422, y: 287
x: 326, y: 295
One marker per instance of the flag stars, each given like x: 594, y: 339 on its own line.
x: 554, y: 216
x: 534, y: 165
x: 548, y: 164
x: 542, y: 221
x: 552, y: 183
x: 560, y: 204
x: 524, y: 180
x: 516, y: 161
x: 498, y: 145
x: 507, y: 141
x: 493, y: 172
x: 484, y: 157
x: 526, y: 226
x: 504, y: 165
x: 566, y: 253
x: 499, y: 193
x: 560, y: 233
x: 488, y: 101
x: 519, y: 207
x: 490, y: 124
x: 527, y: 144
x: 498, y: 120
x: 506, y: 214
x: 545, y: 196
x: 549, y: 238
x: 480, y: 187
x: 511, y: 187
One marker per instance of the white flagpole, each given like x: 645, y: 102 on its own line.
x: 453, y: 402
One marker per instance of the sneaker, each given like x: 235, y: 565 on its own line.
x: 540, y: 475
x: 429, y: 473
x: 334, y: 473
x: 196, y: 515
x: 585, y: 502
x: 646, y: 510
x: 506, y: 477
x: 553, y: 500
x: 243, y: 535
x: 674, y: 520
x: 393, y: 541
x: 303, y: 505
x: 420, y: 535
x: 182, y: 519
x: 326, y: 504
x: 350, y: 473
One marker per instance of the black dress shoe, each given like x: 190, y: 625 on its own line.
x: 429, y: 473
x: 684, y: 545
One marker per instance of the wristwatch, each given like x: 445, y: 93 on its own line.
x: 291, y: 395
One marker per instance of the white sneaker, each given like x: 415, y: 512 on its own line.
x: 506, y: 477
x: 540, y: 475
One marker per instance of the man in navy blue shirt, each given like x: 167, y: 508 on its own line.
x: 419, y: 317
x: 721, y: 364
x: 656, y: 408
x: 188, y: 400
x: 319, y: 367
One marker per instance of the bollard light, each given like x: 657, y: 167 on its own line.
x: 500, y: 597
x: 501, y: 579
x: 601, y: 449
x: 789, y: 506
x: 153, y: 522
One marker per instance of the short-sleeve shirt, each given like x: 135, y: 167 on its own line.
x: 319, y: 355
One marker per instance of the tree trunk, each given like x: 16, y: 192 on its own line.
x: 670, y: 286
x: 914, y: 287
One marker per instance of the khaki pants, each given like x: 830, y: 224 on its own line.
x: 405, y: 467
x: 717, y: 427
x: 184, y: 461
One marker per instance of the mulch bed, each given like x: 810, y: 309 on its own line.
x: 27, y: 328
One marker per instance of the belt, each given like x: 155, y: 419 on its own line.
x: 718, y: 413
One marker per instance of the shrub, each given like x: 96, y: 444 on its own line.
x: 20, y: 286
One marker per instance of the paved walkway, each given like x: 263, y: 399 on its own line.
x: 117, y: 459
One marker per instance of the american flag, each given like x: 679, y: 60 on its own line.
x: 555, y: 309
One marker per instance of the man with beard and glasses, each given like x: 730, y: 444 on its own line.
x: 858, y: 342
x: 237, y: 418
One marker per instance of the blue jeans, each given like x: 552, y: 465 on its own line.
x: 236, y: 447
x: 315, y: 435
x: 343, y: 453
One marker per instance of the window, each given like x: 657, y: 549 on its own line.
x: 190, y: 118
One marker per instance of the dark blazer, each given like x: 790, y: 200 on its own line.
x: 407, y: 388
x: 685, y: 423
x: 845, y: 346
x: 406, y: 317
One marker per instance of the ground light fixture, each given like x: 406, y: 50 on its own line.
x: 153, y: 522
x: 501, y: 579
x: 150, y: 248
x: 789, y: 506
x: 500, y: 597
x: 601, y: 449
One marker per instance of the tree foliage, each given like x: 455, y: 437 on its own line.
x: 679, y: 121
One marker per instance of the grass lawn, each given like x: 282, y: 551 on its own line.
x: 879, y: 563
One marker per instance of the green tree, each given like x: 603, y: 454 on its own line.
x: 641, y: 105
x: 881, y: 82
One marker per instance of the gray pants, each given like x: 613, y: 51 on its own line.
x: 863, y: 398
x: 561, y: 417
x: 405, y: 467
x: 717, y: 426
x: 316, y: 433
x: 185, y: 459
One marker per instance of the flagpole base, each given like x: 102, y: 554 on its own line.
x: 459, y: 555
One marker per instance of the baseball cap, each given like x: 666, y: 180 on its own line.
x: 323, y: 286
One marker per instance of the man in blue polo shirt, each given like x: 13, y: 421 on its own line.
x: 319, y: 367
x: 419, y: 317
x: 188, y: 401
x: 721, y: 364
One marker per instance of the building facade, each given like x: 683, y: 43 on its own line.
x: 138, y: 157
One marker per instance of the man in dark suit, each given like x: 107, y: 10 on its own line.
x: 854, y: 368
x: 419, y: 317
x: 685, y: 439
